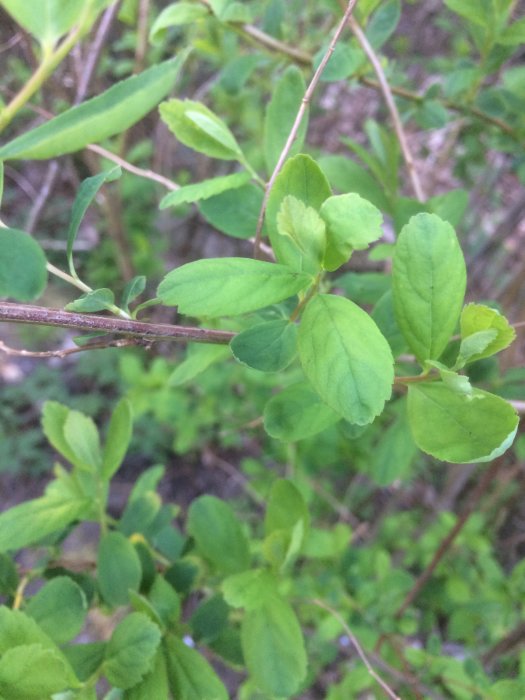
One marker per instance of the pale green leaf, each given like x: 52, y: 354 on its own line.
x: 118, y: 568
x: 54, y: 416
x: 476, y: 319
x: 229, y: 286
x: 131, y: 650
x: 81, y: 435
x: 23, y: 274
x: 190, y: 676
x: 306, y: 232
x: 514, y: 34
x: 118, y: 438
x: 59, y: 608
x: 175, y: 15
x: 204, y: 190
x: 46, y: 20
x: 110, y: 113
x: 460, y: 428
x: 268, y: 346
x: 198, y: 359
x: 97, y: 300
x: 285, y: 507
x: 394, y: 453
x: 345, y: 357
x: 468, y: 9
x: 31, y: 672
x: 249, y: 589
x: 428, y: 283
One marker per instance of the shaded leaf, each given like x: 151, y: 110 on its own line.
x: 268, y: 347
x: 23, y: 274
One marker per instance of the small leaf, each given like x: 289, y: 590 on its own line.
x: 132, y: 290
x: 190, y: 675
x: 297, y: 413
x: 302, y: 178
x: 352, y: 223
x: 199, y: 128
x: 118, y: 568
x: 234, y: 212
x: 285, y: 508
x: 175, y: 15
x: 81, y: 435
x: 218, y: 534
x: 85, y: 195
x: 131, y: 650
x: 8, y: 575
x: 428, y: 282
x: 54, y: 416
x: 97, y: 300
x: 273, y: 648
x: 281, y: 112
x: 383, y: 23
x: 210, y: 619
x: 23, y: 274
x: 110, y: 113
x: 345, y: 357
x: 117, y: 439
x: 268, y: 347
x: 60, y: 609
x: 228, y: 286
x: 205, y: 189
x: 249, y: 589
x: 306, y: 232
x: 460, y: 428
x: 475, y: 320
x: 198, y: 359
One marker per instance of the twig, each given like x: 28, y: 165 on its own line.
x: 297, y: 123
x: 389, y: 692
x: 121, y: 343
x: 475, y: 497
x: 275, y: 45
x: 25, y: 313
x: 126, y: 165
x: 391, y: 105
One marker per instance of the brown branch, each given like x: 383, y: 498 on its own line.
x: 22, y: 313
x: 298, y: 119
x: 273, y: 44
x: 45, y: 354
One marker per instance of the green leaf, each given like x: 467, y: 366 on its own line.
x: 175, y: 15
x: 110, y: 113
x: 118, y: 568
x: 165, y: 600
x: 383, y: 23
x: 469, y: 9
x: 457, y: 382
x: 476, y: 319
x: 210, y: 619
x: 131, y: 650
x: 450, y: 206
x: 249, y: 589
x: 363, y: 287
x: 146, y: 482
x: 394, y: 453
x: 85, y: 195
x: 154, y: 684
x: 302, y: 178
x: 268, y: 347
x: 352, y: 223
x: 273, y: 648
x: 234, y: 212
x: 81, y: 435
x: 460, y: 428
x: 229, y: 286
x: 118, y: 438
x: 190, y: 676
x: 33, y: 520
x: 205, y: 189
x: 281, y: 112
x: 285, y: 508
x: 30, y: 672
x: 345, y: 357
x: 60, y: 609
x: 23, y: 274
x: 199, y: 128
x: 297, y: 413
x: 97, y: 300
x: 8, y: 575
x: 132, y: 290
x: 345, y: 60
x: 305, y: 230
x: 429, y: 281
x: 198, y: 359
x: 85, y: 659
x: 514, y: 34
x: 46, y: 20
x: 348, y: 176
x: 54, y: 416
x: 218, y: 534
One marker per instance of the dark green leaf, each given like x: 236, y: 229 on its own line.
x: 305, y: 231
x: 175, y: 15
x: 8, y: 575
x: 131, y: 650
x: 268, y: 347
x: 46, y: 20
x: 60, y: 608
x: 23, y: 274
x: 364, y: 287
x: 209, y: 619
x: 190, y: 676
x: 118, y: 568
x: 394, y: 453
x: 198, y: 359
x: 383, y: 23
x: 348, y: 176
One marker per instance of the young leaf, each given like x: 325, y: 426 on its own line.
x: 118, y: 568
x: 81, y: 435
x: 296, y: 413
x: 475, y: 320
x: 428, y: 284
x: 110, y: 113
x: 352, y: 223
x: 302, y: 178
x: 345, y: 357
x: 281, y: 112
x: 273, y: 647
x: 204, y: 190
x: 175, y: 15
x: 469, y: 9
x: 229, y: 286
x: 460, y: 428
x: 218, y: 534
x: 131, y: 650
x: 305, y: 230
x: 234, y: 212
x: 23, y: 274
x: 132, y: 290
x: 199, y: 128
x: 54, y: 416
x: 46, y: 20
x: 268, y: 347
x: 198, y: 359
x: 85, y: 195
x: 190, y: 676
x: 60, y: 609
x: 97, y: 300
x: 118, y: 439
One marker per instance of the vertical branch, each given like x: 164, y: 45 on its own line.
x: 391, y: 105
x: 297, y: 123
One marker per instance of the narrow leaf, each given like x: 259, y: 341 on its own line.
x: 97, y: 300
x: 204, y: 190
x: 234, y: 212
x: 81, y: 435
x: 118, y: 438
x: 118, y: 568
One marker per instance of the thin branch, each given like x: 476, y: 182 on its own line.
x: 389, y: 692
x: 275, y: 45
x: 298, y: 119
x: 147, y: 174
x: 24, y: 313
x: 46, y: 354
x: 391, y: 105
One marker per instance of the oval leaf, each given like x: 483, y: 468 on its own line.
x: 23, y: 273
x: 228, y: 286
x: 428, y: 284
x: 460, y: 428
x: 118, y: 568
x: 131, y: 650
x: 190, y: 675
x: 268, y: 347
x: 60, y: 608
x: 346, y: 358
